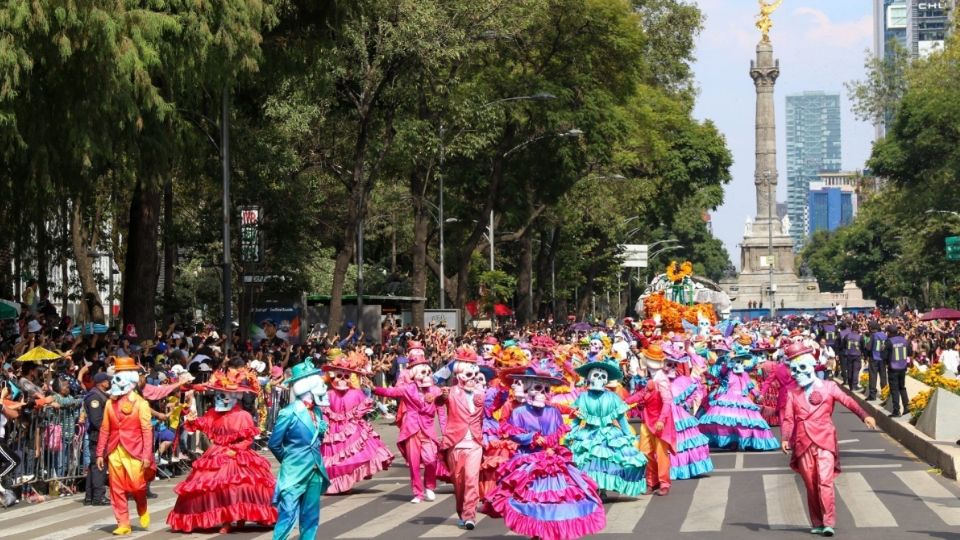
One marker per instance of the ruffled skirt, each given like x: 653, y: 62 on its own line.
x: 692, y: 458
x: 609, y: 457
x: 545, y: 496
x: 222, y: 489
x: 733, y: 422
x: 352, y: 451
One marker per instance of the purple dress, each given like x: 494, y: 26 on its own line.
x: 692, y: 458
x: 540, y: 492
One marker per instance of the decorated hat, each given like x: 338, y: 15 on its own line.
x: 354, y: 362
x: 124, y: 363
x: 302, y: 371
x: 796, y: 349
x: 740, y: 351
x: 677, y: 354
x: 240, y: 381
x: 720, y: 345
x: 654, y: 353
x: 649, y: 323
x: 488, y: 373
x: 465, y: 353
x: 417, y: 360
x: 763, y: 345
x: 607, y: 364
x: 543, y: 343
x: 545, y: 370
x: 490, y: 340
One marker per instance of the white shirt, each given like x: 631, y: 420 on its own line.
x: 951, y: 360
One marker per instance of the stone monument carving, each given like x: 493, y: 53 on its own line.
x: 748, y: 227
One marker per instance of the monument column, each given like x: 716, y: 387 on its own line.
x: 764, y: 72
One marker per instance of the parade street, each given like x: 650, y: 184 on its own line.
x: 883, y: 493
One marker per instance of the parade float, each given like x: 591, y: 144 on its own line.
x: 677, y: 296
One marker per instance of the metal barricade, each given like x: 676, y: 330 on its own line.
x: 50, y: 446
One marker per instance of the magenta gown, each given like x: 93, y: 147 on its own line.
x: 352, y: 450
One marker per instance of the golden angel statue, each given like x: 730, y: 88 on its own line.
x: 764, y: 24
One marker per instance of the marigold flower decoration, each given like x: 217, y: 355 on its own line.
x: 677, y: 275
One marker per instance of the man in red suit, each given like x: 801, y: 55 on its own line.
x: 809, y: 432
x: 126, y: 445
x: 463, y: 436
x: 658, y: 434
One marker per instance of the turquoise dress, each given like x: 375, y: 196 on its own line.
x: 604, y: 446
x: 295, y: 442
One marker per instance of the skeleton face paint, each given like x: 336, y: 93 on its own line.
x: 466, y: 373
x: 536, y: 391
x: 737, y: 365
x: 123, y: 383
x: 518, y: 390
x: 670, y: 369
x: 802, y: 369
x: 423, y: 376
x: 487, y: 350
x: 596, y: 346
x: 224, y: 401
x: 340, y: 380
x: 481, y: 382
x: 597, y: 378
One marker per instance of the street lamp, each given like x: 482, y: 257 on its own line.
x: 539, y: 96
x: 770, y: 218
x: 570, y: 133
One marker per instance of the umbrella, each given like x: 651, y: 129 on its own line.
x: 580, y: 327
x: 9, y: 310
x: 39, y: 354
x: 941, y: 314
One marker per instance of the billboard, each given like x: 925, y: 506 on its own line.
x: 278, y: 321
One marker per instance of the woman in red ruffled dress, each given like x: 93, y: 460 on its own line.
x: 229, y: 483
x: 352, y: 450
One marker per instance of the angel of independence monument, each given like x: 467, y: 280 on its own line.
x: 767, y: 276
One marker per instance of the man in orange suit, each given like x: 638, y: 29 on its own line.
x: 809, y: 432
x: 126, y: 445
x: 463, y: 436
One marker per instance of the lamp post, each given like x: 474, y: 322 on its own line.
x: 771, y: 216
x: 539, y: 96
x: 227, y: 264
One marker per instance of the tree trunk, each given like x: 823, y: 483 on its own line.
x: 169, y: 249
x: 140, y: 271
x: 344, y: 256
x: 419, y: 274
x: 43, y: 252
x: 91, y: 306
x: 525, y: 279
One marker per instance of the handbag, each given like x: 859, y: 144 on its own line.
x: 53, y: 437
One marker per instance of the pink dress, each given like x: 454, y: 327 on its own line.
x: 352, y: 450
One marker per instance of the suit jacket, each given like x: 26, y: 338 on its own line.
x: 460, y: 419
x: 419, y: 411
x: 809, y: 422
x: 126, y: 422
x: 295, y: 442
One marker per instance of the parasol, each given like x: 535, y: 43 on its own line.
x: 9, y: 310
x: 941, y: 314
x: 38, y: 354
x: 580, y: 327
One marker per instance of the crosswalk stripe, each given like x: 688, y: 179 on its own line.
x: 784, y: 502
x: 154, y: 508
x: 862, y: 502
x: 938, y: 498
x: 446, y: 530
x: 623, y: 515
x: 392, y: 519
x: 709, y: 506
x: 28, y: 508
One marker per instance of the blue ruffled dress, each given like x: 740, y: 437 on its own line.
x: 732, y: 419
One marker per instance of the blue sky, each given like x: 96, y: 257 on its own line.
x: 820, y: 43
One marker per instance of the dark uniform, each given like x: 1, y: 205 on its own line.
x: 93, y: 405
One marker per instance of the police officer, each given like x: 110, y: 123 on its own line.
x: 897, y: 355
x: 93, y: 404
x: 874, y: 345
x: 851, y: 343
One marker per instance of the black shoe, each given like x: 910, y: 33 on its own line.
x: 101, y: 502
x: 152, y: 495
x: 87, y: 502
x: 895, y: 414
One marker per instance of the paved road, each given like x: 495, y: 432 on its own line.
x: 883, y: 493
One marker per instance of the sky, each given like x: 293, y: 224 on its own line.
x: 820, y: 43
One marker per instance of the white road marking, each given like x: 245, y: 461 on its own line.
x: 449, y: 529
x: 624, y: 515
x: 863, y: 503
x: 155, y: 508
x: 848, y: 441
x: 709, y: 506
x: 788, y: 469
x: 391, y: 520
x: 864, y: 450
x: 785, y: 507
x: 25, y: 509
x: 738, y: 461
x: 933, y: 494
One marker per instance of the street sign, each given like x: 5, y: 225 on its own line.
x: 766, y: 261
x: 250, y: 234
x: 953, y: 248
x: 634, y: 255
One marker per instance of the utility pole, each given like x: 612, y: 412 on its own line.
x: 227, y: 264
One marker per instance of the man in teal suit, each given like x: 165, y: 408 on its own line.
x: 295, y: 442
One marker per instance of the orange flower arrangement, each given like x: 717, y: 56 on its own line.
x: 672, y: 313
x: 675, y: 275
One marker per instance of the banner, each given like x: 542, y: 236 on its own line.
x: 278, y: 323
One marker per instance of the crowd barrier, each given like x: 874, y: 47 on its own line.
x: 51, y: 450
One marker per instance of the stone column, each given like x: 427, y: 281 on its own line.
x: 764, y: 72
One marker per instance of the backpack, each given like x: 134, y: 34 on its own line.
x: 898, y: 353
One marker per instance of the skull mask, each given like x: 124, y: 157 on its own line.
x: 311, y: 389
x: 481, y: 382
x: 466, y: 373
x: 123, y: 383
x: 488, y: 349
x: 670, y: 369
x: 737, y: 365
x: 422, y: 375
x: 518, y: 390
x: 340, y: 380
x: 225, y: 401
x: 597, y: 379
x: 536, y: 392
x: 802, y: 369
x: 595, y: 346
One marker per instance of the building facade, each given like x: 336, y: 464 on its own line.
x: 813, y: 147
x: 927, y: 26
x: 830, y: 207
x: 889, y: 24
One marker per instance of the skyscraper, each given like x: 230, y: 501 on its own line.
x: 813, y: 147
x: 927, y: 24
x: 889, y: 24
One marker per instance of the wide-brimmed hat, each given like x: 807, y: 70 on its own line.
x: 302, y: 371
x: 354, y: 362
x: 796, y: 349
x: 763, y: 346
x: 654, y: 352
x: 608, y: 364
x: 125, y: 363
x: 542, y: 343
x: 488, y: 373
x: 545, y: 370
x: 240, y: 381
x: 465, y: 353
x: 740, y: 350
x: 418, y: 360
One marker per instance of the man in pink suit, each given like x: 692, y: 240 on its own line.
x: 809, y: 432
x: 463, y: 435
x: 417, y: 440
